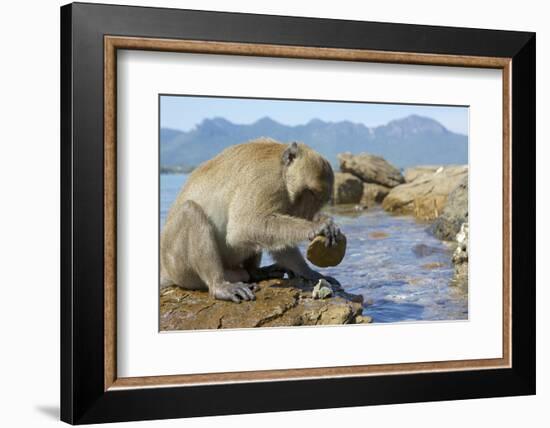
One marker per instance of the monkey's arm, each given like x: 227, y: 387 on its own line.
x: 278, y: 231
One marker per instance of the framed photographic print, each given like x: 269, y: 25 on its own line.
x: 264, y: 213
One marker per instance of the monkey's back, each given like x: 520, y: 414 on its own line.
x: 240, y: 175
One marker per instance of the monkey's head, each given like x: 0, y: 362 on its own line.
x: 308, y: 177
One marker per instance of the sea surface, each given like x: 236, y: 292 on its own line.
x: 402, y: 271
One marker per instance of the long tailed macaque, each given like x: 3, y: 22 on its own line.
x: 252, y: 197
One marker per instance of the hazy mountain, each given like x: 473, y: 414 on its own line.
x: 413, y: 140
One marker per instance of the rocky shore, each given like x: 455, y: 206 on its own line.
x: 431, y: 193
x: 426, y: 196
x: 286, y: 302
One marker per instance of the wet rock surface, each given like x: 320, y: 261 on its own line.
x: 426, y: 197
x: 286, y: 302
x: 455, y: 213
x: 370, y: 169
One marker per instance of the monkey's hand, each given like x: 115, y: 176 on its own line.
x: 326, y: 227
x: 234, y: 291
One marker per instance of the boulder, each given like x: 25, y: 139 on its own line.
x: 455, y: 213
x: 371, y: 169
x: 415, y: 172
x: 373, y: 194
x: 279, y: 302
x: 425, y: 197
x: 348, y: 189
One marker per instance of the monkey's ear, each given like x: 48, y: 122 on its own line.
x: 290, y: 153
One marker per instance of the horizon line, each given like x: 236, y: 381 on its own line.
x: 308, y: 122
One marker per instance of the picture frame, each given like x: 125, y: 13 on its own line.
x: 91, y: 35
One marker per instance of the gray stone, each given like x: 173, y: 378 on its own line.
x: 322, y: 290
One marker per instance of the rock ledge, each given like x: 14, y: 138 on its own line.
x: 278, y: 303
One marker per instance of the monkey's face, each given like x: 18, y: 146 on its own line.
x: 309, y: 178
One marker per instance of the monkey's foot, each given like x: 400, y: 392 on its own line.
x: 264, y: 273
x: 234, y: 291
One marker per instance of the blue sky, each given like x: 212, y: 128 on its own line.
x: 185, y: 112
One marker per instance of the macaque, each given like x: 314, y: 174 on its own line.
x: 253, y: 197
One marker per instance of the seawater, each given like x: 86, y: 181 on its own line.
x: 402, y: 271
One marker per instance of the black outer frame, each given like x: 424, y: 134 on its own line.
x: 83, y: 399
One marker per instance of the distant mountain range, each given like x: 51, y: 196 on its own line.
x: 413, y: 140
